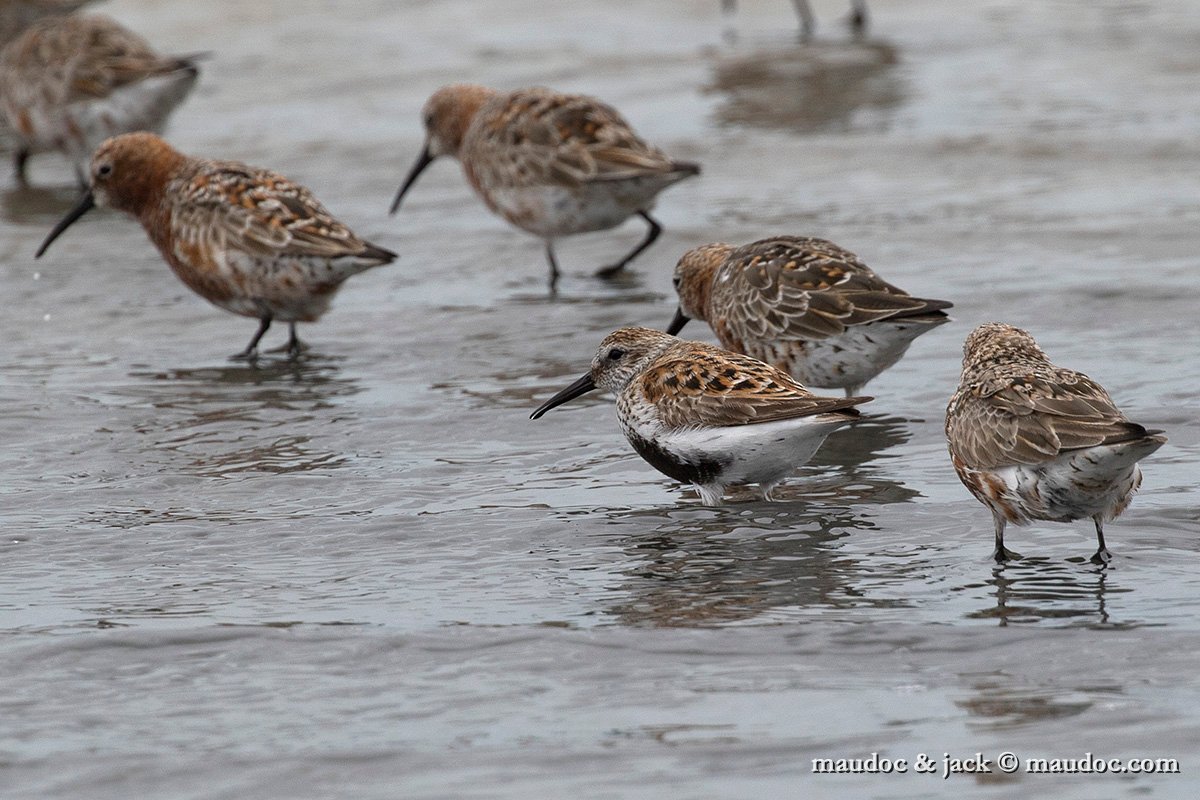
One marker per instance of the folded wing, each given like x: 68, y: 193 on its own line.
x: 793, y: 288
x: 565, y: 140
x: 1031, y: 419
x: 264, y: 214
x: 727, y: 389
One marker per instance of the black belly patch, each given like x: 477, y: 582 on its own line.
x: 670, y: 464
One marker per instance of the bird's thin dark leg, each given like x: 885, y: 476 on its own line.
x: 553, y: 265
x: 1101, y: 556
x: 1001, y: 553
x: 728, y: 9
x: 858, y: 17
x: 20, y: 158
x: 808, y: 22
x: 251, y: 351
x: 651, y: 235
x: 294, y: 346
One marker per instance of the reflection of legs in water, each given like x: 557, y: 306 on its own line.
x: 1046, y: 589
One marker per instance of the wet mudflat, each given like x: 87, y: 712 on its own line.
x: 368, y: 574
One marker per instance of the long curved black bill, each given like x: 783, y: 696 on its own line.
x: 85, y: 204
x: 423, y: 161
x: 677, y: 324
x: 581, y: 386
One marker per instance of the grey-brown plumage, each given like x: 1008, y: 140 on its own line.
x: 552, y: 164
x: 1035, y: 441
x: 67, y: 83
x: 803, y: 305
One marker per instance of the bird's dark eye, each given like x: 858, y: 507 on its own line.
x: 615, y: 354
x: 104, y: 170
x: 677, y: 280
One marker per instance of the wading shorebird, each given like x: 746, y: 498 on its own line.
x: 706, y: 416
x: 246, y: 239
x: 70, y: 82
x: 1033, y: 441
x: 805, y: 306
x: 551, y: 164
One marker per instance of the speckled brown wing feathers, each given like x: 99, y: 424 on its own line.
x: 791, y: 288
x: 1031, y: 417
x: 95, y: 53
x: 264, y: 213
x: 560, y: 139
x: 720, y: 388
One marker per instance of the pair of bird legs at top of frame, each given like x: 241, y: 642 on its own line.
x: 857, y: 18
x: 294, y: 347
x: 612, y: 270
x: 1002, y: 554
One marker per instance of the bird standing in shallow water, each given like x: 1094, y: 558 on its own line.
x: 1033, y: 441
x: 68, y: 83
x: 552, y: 164
x: 805, y: 306
x: 246, y: 239
x: 706, y: 416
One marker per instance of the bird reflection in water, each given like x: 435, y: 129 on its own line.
x: 699, y: 566
x: 855, y: 465
x: 996, y: 702
x: 38, y: 206
x: 1045, y: 590
x: 245, y: 419
x: 821, y: 88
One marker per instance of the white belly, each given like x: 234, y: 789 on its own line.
x: 712, y: 458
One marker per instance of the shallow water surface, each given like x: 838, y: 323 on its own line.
x: 368, y: 574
